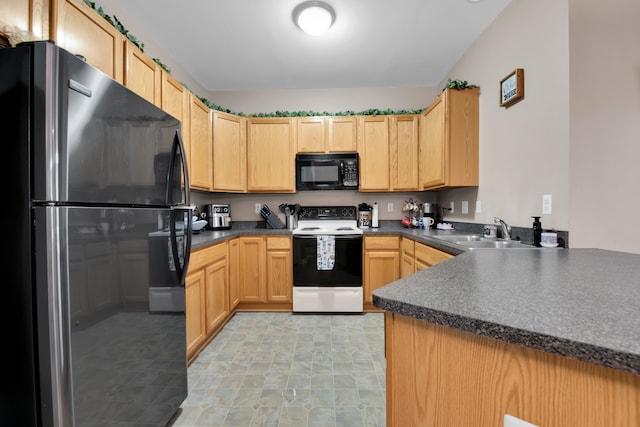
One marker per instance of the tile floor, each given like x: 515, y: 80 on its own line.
x: 290, y: 370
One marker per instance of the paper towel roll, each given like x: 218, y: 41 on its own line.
x: 374, y: 216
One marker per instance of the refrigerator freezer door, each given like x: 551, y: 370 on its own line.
x: 112, y: 146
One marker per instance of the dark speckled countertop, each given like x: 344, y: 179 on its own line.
x: 581, y: 303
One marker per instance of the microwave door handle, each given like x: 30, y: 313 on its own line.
x: 341, y: 177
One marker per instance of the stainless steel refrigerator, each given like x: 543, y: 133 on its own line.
x: 93, y: 174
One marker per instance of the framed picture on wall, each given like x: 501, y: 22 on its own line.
x: 512, y: 88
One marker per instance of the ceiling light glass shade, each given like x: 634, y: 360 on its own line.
x: 314, y: 17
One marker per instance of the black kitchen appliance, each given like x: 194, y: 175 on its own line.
x: 330, y: 171
x: 93, y: 170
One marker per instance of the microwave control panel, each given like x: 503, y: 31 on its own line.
x: 350, y: 176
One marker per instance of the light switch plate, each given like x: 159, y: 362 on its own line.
x: 451, y: 207
x: 511, y: 421
x: 257, y: 207
x: 389, y: 207
x: 547, y: 204
x: 465, y: 207
x: 478, y: 206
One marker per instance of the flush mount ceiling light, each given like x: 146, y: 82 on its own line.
x: 314, y: 17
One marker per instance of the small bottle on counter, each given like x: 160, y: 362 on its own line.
x: 537, y: 230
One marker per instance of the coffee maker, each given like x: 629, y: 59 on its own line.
x: 432, y: 210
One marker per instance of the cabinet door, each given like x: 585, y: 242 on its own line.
x: 194, y: 303
x: 30, y: 15
x: 229, y: 152
x: 449, y: 140
x: 380, y: 268
x: 201, y: 172
x: 234, y: 273
x: 270, y: 155
x: 312, y: 134
x: 217, y: 283
x: 342, y: 134
x: 82, y: 31
x: 404, y: 152
x: 381, y: 263
x: 175, y: 100
x: 407, y: 257
x: 279, y: 269
x: 252, y: 269
x: 373, y: 147
x: 141, y: 74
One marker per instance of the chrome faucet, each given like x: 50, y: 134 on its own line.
x: 504, y: 226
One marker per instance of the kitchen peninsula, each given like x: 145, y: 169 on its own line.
x: 548, y: 336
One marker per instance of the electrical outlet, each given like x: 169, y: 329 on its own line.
x: 546, y: 204
x: 478, y: 206
x: 451, y: 207
x: 258, y: 208
x: 389, y: 207
x: 511, y: 421
x: 465, y: 207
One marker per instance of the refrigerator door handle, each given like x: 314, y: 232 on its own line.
x: 186, y: 212
x: 178, y: 145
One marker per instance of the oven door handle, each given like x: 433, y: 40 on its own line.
x: 337, y: 236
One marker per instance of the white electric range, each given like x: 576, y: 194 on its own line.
x: 327, y: 260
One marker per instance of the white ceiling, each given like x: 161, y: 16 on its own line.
x: 254, y: 45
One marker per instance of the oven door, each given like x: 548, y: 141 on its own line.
x: 346, y: 271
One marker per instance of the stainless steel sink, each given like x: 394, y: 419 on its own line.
x: 476, y: 241
x: 494, y: 244
x: 459, y: 237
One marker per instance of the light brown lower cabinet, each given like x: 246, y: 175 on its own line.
x: 234, y: 273
x: 407, y: 257
x: 279, y: 269
x: 380, y: 263
x: 440, y: 376
x: 206, y: 295
x: 266, y: 269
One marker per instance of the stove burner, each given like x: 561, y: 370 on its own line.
x: 310, y: 228
x: 344, y: 229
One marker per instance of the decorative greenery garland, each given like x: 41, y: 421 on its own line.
x: 115, y: 22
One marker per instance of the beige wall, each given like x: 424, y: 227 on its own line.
x: 605, y: 124
x: 524, y: 149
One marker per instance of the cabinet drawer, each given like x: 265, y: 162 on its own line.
x: 381, y: 242
x: 407, y: 246
x: 278, y: 242
x: 200, y: 258
x: 429, y: 255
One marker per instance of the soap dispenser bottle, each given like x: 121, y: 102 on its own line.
x: 537, y: 230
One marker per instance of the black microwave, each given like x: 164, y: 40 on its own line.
x: 332, y: 171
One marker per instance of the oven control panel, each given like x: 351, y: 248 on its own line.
x: 327, y: 212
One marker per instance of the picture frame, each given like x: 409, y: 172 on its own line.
x: 512, y: 88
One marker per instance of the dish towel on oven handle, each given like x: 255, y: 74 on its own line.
x: 326, y: 258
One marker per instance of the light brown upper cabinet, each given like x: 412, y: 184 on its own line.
x: 373, y: 148
x: 28, y: 15
x: 229, y: 152
x: 201, y: 156
x: 326, y: 134
x: 312, y: 134
x: 449, y: 141
x: 271, y: 155
x: 141, y: 74
x: 175, y: 99
x: 403, y: 141
x: 80, y: 30
x: 342, y: 134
